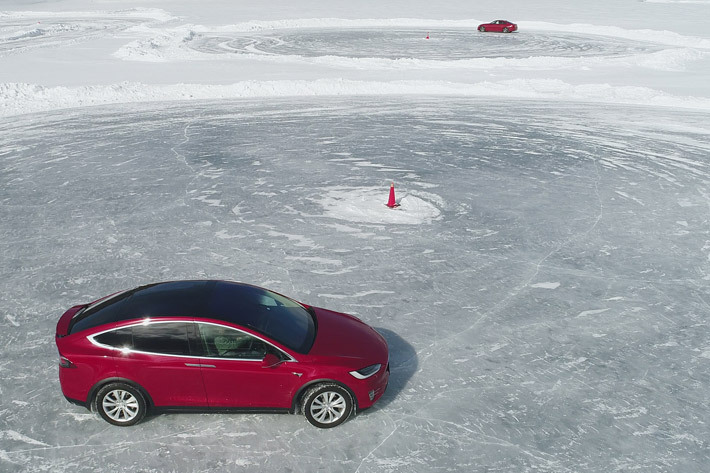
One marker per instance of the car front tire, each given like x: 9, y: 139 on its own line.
x: 506, y: 30
x: 327, y: 405
x: 120, y: 404
x: 482, y: 29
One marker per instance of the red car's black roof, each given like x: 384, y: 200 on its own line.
x: 238, y: 303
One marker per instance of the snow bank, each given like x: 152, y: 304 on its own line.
x: 668, y: 38
x: 140, y: 13
x: 251, y: 26
x: 18, y: 99
x: 704, y: 2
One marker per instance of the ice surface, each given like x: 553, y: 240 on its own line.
x: 544, y: 286
x: 541, y: 300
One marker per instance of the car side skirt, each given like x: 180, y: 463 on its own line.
x: 77, y: 402
x: 199, y: 409
x: 224, y: 410
x: 294, y: 409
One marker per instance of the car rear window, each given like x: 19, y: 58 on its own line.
x: 119, y: 338
x: 169, y: 338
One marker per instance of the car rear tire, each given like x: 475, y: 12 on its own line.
x: 327, y: 405
x: 506, y: 30
x: 482, y: 29
x: 120, y: 404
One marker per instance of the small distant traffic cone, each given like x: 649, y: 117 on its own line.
x: 391, y: 203
x: 427, y: 35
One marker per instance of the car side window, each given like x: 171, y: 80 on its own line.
x: 225, y: 342
x: 164, y: 338
x: 169, y: 338
x: 121, y: 338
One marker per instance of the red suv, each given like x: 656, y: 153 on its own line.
x: 217, y: 345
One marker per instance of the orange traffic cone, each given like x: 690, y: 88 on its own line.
x: 391, y: 203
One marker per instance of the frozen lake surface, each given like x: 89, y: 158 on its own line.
x: 543, y: 286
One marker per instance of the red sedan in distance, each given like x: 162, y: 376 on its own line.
x: 498, y: 26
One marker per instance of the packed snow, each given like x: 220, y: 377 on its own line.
x: 544, y: 284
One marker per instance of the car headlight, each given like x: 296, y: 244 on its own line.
x: 367, y: 371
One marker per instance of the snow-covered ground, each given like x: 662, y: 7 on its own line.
x: 544, y: 286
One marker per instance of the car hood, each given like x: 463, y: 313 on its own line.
x: 343, y: 335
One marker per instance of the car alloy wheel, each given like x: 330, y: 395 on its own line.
x: 120, y: 404
x: 327, y: 405
x: 482, y: 29
x: 506, y: 30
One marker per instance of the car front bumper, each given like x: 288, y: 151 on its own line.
x: 372, y: 389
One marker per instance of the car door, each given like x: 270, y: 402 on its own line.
x: 156, y: 355
x: 233, y: 371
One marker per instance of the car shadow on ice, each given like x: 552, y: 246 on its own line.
x: 404, y: 362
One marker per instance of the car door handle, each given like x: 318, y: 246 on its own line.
x: 199, y: 365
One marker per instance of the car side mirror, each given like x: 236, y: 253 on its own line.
x: 270, y: 361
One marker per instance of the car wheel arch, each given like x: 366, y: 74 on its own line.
x: 97, y: 387
x: 298, y: 397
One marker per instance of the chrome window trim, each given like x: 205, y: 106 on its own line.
x: 126, y: 351
x: 148, y: 321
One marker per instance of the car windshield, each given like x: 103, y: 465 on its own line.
x: 276, y: 316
